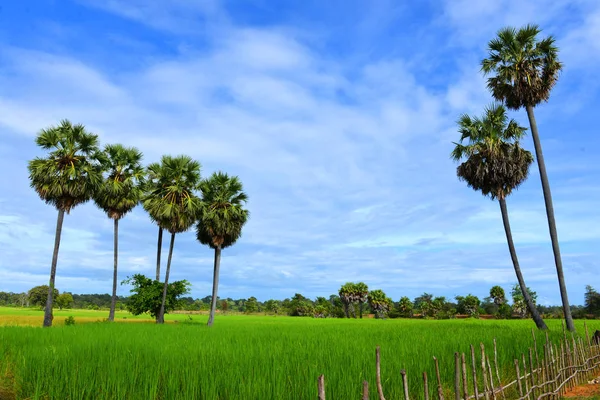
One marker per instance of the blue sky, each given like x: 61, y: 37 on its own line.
x: 337, y: 116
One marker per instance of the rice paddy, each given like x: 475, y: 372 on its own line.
x: 241, y: 357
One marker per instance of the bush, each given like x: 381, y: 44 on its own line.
x: 70, y: 320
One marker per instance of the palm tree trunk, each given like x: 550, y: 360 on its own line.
x: 158, y: 250
x: 213, y: 303
x: 113, y: 300
x: 360, y: 309
x: 539, y: 322
x: 160, y: 318
x: 551, y: 222
x: 346, y: 310
x: 48, y: 317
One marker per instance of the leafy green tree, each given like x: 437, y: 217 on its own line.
x: 251, y: 305
x: 224, y: 306
x: 147, y: 295
x: 68, y: 176
x: 592, y: 301
x: 519, y: 303
x: 405, y: 307
x: 523, y: 72
x: 323, y: 307
x: 300, y: 306
x: 272, y: 306
x: 119, y: 193
x: 468, y: 305
x: 38, y: 295
x: 173, y: 203
x: 423, y: 304
x: 497, y: 294
x: 220, y: 220
x: 64, y: 300
x: 379, y: 303
x: 337, y: 307
x: 362, y: 296
x: 496, y: 165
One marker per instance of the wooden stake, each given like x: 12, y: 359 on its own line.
x: 474, y: 365
x: 519, y: 385
x: 439, y: 380
x: 532, y: 374
x: 321, y: 385
x: 484, y: 372
x: 378, y: 374
x: 457, y: 376
x: 491, y: 378
x: 365, y: 395
x: 465, y: 380
x: 525, y: 373
x: 498, y: 371
x: 405, y: 384
x: 425, y: 386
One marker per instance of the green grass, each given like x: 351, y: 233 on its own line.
x: 245, y: 357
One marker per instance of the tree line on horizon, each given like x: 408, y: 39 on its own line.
x: 522, y: 71
x: 336, y: 306
x: 75, y: 170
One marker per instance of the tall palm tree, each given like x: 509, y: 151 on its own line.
x: 120, y: 192
x: 154, y: 175
x: 496, y: 165
x: 348, y: 295
x: 173, y: 204
x: 523, y: 72
x: 220, y: 221
x: 68, y: 176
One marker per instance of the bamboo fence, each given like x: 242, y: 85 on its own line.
x: 564, y: 365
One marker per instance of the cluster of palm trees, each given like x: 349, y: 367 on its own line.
x: 358, y: 293
x: 522, y: 72
x: 76, y: 170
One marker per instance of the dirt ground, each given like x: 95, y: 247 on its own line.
x: 588, y: 391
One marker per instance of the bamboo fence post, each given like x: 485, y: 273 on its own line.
x: 556, y: 366
x: 321, y: 386
x: 562, y: 322
x: 537, y: 357
x: 378, y: 374
x: 532, y: 377
x: 465, y: 380
x: 498, y: 371
x: 545, y: 375
x: 569, y: 362
x: 365, y: 395
x: 405, y: 384
x: 525, y: 376
x: 576, y: 362
x: 491, y: 378
x: 474, y: 365
x: 519, y: 385
x: 457, y: 376
x: 587, y: 335
x: 439, y: 380
x: 425, y: 386
x: 484, y: 372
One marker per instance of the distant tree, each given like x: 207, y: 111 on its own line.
x: 519, y: 305
x: 348, y: 295
x: 379, y: 303
x: 337, y: 307
x: 147, y: 295
x: 300, y: 306
x: 362, y: 294
x: 224, y: 305
x: 497, y: 295
x: 221, y: 218
x: 64, y: 300
x: 405, y: 307
x: 423, y: 304
x: 39, y: 294
x: 468, y: 305
x: 119, y: 193
x: 251, y: 305
x: 173, y: 203
x: 523, y: 72
x: 68, y: 176
x: 272, y: 306
x: 592, y: 301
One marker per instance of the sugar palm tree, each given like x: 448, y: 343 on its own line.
x: 120, y: 192
x: 173, y: 204
x: 496, y: 165
x: 154, y: 174
x: 348, y: 295
x: 362, y: 294
x: 523, y: 72
x: 379, y: 302
x: 220, y: 221
x: 68, y: 176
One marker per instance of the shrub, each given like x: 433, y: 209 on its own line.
x: 70, y: 320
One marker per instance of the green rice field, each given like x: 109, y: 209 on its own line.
x: 241, y: 357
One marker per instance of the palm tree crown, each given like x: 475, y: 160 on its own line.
x: 121, y: 189
x: 71, y: 173
x: 170, y: 195
x: 222, y: 215
x: 496, y: 164
x: 525, y: 69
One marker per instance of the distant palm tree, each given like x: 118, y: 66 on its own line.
x: 379, y: 302
x: 119, y: 193
x: 362, y: 295
x: 173, y: 204
x: 524, y: 71
x: 348, y: 295
x: 67, y: 177
x: 220, y: 221
x: 496, y: 165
